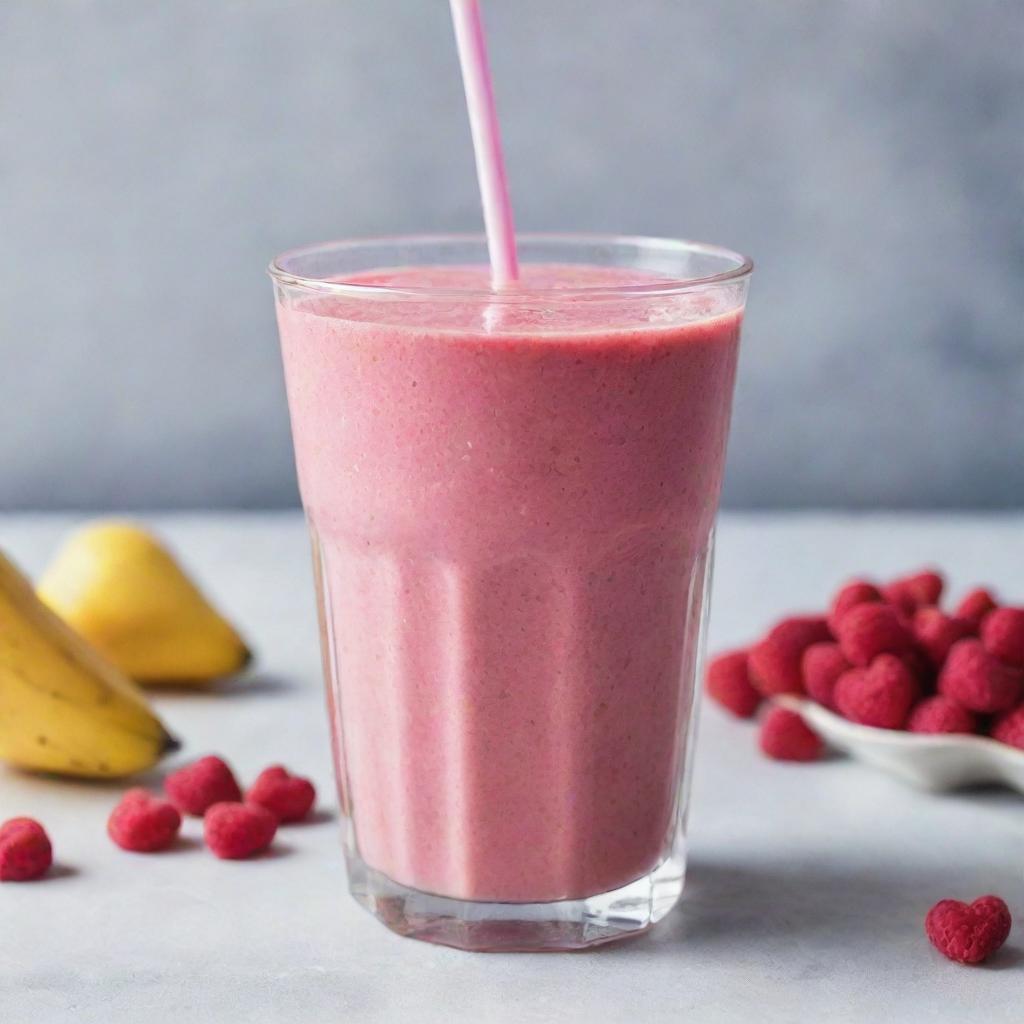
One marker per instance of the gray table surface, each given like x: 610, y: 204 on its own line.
x: 807, y: 887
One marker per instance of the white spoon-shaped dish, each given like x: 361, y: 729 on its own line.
x: 934, y: 762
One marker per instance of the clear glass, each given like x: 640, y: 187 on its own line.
x: 511, y: 497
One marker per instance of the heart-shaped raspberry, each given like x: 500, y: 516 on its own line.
x: 774, y: 662
x: 880, y: 695
x: 822, y: 665
x: 975, y: 606
x: 288, y: 797
x: 198, y: 786
x: 25, y: 850
x: 236, y: 830
x: 977, y: 679
x: 936, y: 633
x: 968, y: 933
x: 853, y: 593
x: 1002, y: 633
x: 785, y: 736
x: 921, y: 590
x: 1009, y: 728
x: 868, y: 630
x: 142, y: 823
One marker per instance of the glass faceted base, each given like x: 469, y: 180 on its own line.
x: 513, y: 925
x: 481, y: 927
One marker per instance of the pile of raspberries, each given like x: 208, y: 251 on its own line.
x: 235, y: 826
x: 890, y: 657
x: 885, y: 656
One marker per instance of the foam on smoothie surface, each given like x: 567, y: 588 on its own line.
x: 531, y: 309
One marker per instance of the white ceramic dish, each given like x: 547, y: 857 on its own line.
x: 929, y: 762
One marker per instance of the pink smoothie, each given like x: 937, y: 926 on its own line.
x: 513, y: 508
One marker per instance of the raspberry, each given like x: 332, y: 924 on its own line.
x: 912, y: 592
x: 966, y: 933
x: 868, y: 630
x: 785, y: 736
x: 775, y: 662
x: 975, y: 606
x: 935, y: 632
x: 979, y: 680
x: 234, y: 830
x: 728, y: 682
x: 25, y: 850
x: 822, y: 665
x: 880, y: 695
x: 940, y: 714
x: 142, y: 823
x: 288, y: 797
x: 196, y: 787
x: 1002, y: 633
x: 855, y: 592
x: 1009, y: 728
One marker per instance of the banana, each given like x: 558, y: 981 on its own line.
x: 122, y: 590
x: 63, y: 708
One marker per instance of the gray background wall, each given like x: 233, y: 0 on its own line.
x: 868, y: 154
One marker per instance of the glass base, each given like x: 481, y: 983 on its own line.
x: 519, y: 927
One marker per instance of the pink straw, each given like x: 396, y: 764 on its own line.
x: 483, y: 122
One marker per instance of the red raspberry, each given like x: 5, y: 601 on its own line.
x: 775, y: 662
x: 935, y: 632
x: 966, y: 933
x: 728, y: 682
x: 868, y: 630
x: 142, y: 823
x: 855, y: 592
x: 979, y: 680
x: 287, y: 797
x: 785, y: 736
x: 880, y: 695
x: 234, y: 830
x: 912, y: 592
x: 823, y: 664
x: 1002, y: 633
x: 940, y: 714
x: 25, y: 850
x: 975, y: 606
x: 196, y: 787
x: 1009, y: 728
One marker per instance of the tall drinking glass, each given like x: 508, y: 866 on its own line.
x: 511, y: 496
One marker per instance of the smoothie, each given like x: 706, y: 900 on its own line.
x: 512, y: 506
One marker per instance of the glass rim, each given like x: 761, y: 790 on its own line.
x: 665, y: 286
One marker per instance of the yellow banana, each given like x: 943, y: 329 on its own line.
x: 63, y: 708
x: 118, y: 586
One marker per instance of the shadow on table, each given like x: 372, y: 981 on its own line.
x: 60, y: 870
x: 1006, y: 959
x: 748, y: 909
x: 151, y: 779
x: 318, y: 816
x: 256, y: 684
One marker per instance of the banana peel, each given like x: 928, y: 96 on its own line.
x: 63, y: 707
